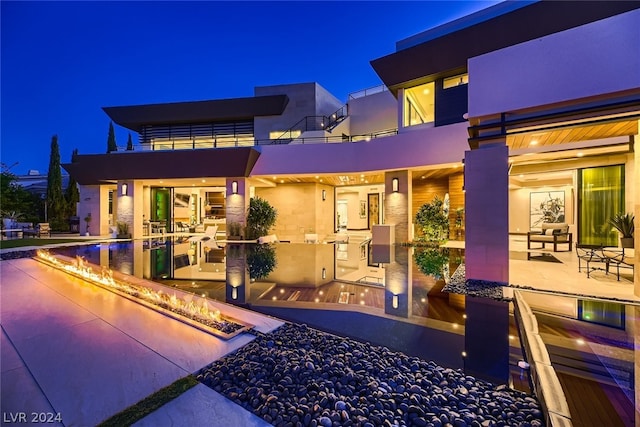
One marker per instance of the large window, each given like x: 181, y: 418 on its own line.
x: 419, y: 104
x: 600, y: 196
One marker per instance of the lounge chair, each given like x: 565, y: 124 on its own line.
x: 209, y: 234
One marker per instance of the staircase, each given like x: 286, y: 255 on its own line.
x: 313, y: 123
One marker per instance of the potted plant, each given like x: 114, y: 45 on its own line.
x: 123, y: 230
x: 87, y: 219
x: 234, y: 231
x: 624, y: 224
x: 261, y: 216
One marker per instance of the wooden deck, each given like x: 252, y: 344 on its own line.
x: 595, y: 404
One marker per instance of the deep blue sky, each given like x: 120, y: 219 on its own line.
x: 61, y: 62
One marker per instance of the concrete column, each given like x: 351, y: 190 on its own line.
x: 237, y: 201
x: 633, y: 328
x: 397, y: 294
x: 486, y: 185
x: 237, y: 274
x: 636, y: 211
x: 123, y: 200
x: 400, y: 110
x: 487, y: 213
x: 397, y: 204
x: 94, y: 200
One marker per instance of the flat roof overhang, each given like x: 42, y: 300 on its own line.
x: 450, y: 52
x: 134, y: 117
x: 95, y: 169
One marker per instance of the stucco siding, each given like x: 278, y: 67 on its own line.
x: 553, y: 69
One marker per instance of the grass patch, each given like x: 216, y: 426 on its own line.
x: 31, y: 241
x: 149, y: 404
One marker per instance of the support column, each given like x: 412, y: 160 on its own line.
x: 397, y: 204
x: 237, y: 275
x: 636, y: 211
x: 124, y: 200
x: 486, y: 185
x: 237, y: 201
x: 635, y: 332
x: 487, y: 213
x: 94, y: 203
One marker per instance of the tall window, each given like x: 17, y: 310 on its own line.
x: 418, y: 104
x: 600, y: 196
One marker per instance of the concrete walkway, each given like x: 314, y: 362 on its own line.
x: 71, y: 348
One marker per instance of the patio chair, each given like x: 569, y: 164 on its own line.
x: 182, y: 227
x: 619, y: 258
x: 43, y: 228
x: 591, y: 254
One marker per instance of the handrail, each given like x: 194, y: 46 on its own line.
x: 368, y: 91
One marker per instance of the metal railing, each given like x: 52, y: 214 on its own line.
x: 369, y: 91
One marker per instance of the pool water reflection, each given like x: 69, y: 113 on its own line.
x: 392, y: 296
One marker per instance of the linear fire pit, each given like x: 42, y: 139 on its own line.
x: 199, y: 316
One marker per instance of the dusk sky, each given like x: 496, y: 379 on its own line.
x: 61, y: 62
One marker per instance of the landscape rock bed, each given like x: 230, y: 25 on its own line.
x: 299, y: 376
x: 473, y: 287
x: 30, y: 253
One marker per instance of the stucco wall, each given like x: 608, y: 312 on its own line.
x: 373, y: 113
x: 305, y: 99
x: 445, y: 144
x: 551, y: 69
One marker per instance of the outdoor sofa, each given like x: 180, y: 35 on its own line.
x: 555, y: 233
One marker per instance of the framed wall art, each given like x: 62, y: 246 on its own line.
x: 546, y: 206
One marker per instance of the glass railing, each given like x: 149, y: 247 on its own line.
x: 290, y: 138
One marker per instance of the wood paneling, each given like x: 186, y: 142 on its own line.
x: 424, y: 190
x: 572, y: 134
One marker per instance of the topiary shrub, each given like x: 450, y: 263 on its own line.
x: 261, y: 216
x: 432, y: 223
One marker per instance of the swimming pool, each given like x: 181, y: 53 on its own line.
x: 393, y: 296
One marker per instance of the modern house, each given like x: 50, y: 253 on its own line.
x: 503, y: 112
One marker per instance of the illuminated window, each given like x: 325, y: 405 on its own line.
x: 284, y: 134
x: 460, y: 79
x: 418, y: 104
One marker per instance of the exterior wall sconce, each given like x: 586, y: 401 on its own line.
x: 324, y: 195
x: 234, y: 187
x: 124, y: 189
x: 324, y: 273
x: 234, y: 293
x: 395, y: 301
x: 395, y: 184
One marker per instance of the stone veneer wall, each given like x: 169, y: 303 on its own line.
x: 301, y: 210
x: 397, y: 205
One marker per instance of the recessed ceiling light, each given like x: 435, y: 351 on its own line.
x: 204, y: 180
x: 580, y: 154
x: 282, y: 181
x: 534, y: 142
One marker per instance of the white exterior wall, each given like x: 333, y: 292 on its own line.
x: 433, y: 146
x: 305, y: 99
x: 553, y: 69
x: 373, y: 113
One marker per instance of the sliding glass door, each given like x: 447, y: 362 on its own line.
x: 600, y: 196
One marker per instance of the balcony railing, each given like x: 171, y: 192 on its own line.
x: 250, y: 142
x: 369, y: 91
